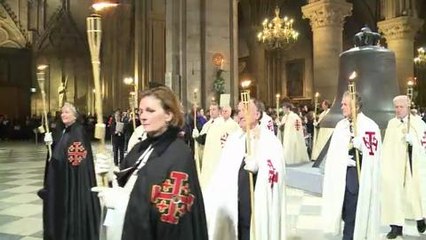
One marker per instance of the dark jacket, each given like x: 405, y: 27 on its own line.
x: 166, y: 201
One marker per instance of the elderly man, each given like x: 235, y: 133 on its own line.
x: 403, y: 174
x: 215, y: 140
x: 227, y: 198
x: 346, y: 195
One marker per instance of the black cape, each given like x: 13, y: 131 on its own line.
x: 71, y: 210
x: 166, y: 201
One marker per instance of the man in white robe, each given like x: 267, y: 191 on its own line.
x: 293, y: 139
x: 215, y: 140
x: 227, y: 198
x: 200, y: 137
x: 403, y: 189
x: 344, y: 197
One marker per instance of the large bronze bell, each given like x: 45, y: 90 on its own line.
x: 376, y: 81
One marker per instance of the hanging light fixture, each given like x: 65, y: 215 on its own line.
x: 420, y: 60
x: 277, y: 34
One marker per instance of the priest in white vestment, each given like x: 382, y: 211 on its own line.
x: 404, y: 180
x: 346, y: 198
x: 293, y: 139
x: 200, y: 137
x: 215, y: 140
x: 227, y: 198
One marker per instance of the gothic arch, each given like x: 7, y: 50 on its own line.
x: 11, y: 36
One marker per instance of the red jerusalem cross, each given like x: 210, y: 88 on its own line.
x: 76, y: 153
x: 424, y: 140
x: 297, y: 125
x: 370, y: 142
x: 271, y: 125
x: 173, y: 198
x: 272, y: 174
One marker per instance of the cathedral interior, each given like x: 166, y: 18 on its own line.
x: 191, y: 46
x: 52, y: 51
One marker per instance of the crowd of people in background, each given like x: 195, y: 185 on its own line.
x: 28, y: 129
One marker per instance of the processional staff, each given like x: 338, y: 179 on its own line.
x: 316, y: 105
x: 314, y: 138
x: 245, y: 99
x: 133, y: 105
x: 409, y: 147
x: 94, y: 34
x: 41, y: 80
x: 197, y: 159
x: 277, y: 104
x: 354, y: 114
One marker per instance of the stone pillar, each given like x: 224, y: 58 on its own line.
x: 220, y: 37
x: 196, y: 30
x: 174, y: 56
x: 399, y: 33
x: 257, y: 63
x: 327, y: 19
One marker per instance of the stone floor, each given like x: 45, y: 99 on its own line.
x: 21, y: 175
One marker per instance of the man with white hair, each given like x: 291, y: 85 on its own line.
x: 403, y: 170
x: 227, y: 198
x: 347, y: 194
x: 215, y: 140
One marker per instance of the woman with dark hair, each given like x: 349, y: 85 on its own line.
x: 70, y: 209
x: 162, y: 198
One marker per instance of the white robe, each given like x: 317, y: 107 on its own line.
x: 293, y: 139
x: 267, y: 122
x: 198, y: 148
x: 221, y: 197
x: 215, y: 140
x: 137, y: 136
x: 367, y: 223
x: 403, y: 202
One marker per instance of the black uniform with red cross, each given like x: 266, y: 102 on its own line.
x: 71, y: 210
x: 166, y: 201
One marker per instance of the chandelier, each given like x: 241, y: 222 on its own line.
x: 277, y: 34
x: 421, y: 57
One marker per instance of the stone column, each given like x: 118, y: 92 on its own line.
x: 399, y: 33
x: 220, y: 37
x: 257, y: 63
x: 327, y: 19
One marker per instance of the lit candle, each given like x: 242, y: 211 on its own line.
x: 316, y: 105
x: 195, y: 107
x: 277, y: 99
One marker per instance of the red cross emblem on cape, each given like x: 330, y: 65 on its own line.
x: 271, y: 125
x: 298, y: 125
x: 370, y: 142
x: 76, y: 153
x: 272, y: 173
x: 223, y: 139
x: 173, y: 198
x: 423, y: 142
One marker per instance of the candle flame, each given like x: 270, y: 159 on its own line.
x: 353, y: 76
x: 245, y: 84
